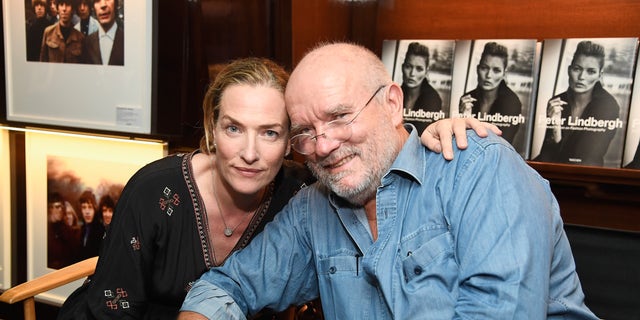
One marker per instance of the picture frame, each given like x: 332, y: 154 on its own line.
x: 104, y: 97
x: 69, y: 163
x: 5, y: 210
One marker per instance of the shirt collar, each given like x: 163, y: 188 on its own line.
x: 412, y: 157
x: 111, y: 33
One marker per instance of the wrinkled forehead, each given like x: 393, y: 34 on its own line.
x: 317, y: 98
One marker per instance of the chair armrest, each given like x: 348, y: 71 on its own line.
x: 49, y: 281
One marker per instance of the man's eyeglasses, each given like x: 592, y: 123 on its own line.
x: 336, y: 130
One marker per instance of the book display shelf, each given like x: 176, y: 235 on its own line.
x: 372, y: 22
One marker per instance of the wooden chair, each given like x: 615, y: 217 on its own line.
x: 26, y: 291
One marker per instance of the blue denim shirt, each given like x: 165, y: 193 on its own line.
x: 478, y: 237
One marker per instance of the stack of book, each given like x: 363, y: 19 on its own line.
x: 558, y: 100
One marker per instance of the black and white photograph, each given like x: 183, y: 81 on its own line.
x: 74, y: 182
x: 499, y: 85
x: 583, y: 101
x: 423, y: 68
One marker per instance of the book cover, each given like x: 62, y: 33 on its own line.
x: 494, y: 81
x: 423, y: 68
x: 583, y: 101
x: 631, y: 155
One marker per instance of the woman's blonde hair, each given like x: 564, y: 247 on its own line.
x: 246, y: 71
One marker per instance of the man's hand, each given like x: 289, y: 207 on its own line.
x: 438, y: 135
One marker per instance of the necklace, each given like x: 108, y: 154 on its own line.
x: 228, y: 231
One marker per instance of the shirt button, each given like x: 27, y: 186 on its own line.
x: 332, y: 270
x: 417, y: 271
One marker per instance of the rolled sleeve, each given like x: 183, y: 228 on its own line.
x: 212, y: 302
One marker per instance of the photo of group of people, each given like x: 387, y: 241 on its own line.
x: 78, y: 213
x: 75, y: 31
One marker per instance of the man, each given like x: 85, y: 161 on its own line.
x: 61, y: 238
x: 107, y: 45
x: 35, y: 29
x: 86, y: 23
x: 60, y: 41
x: 92, y: 230
x: 392, y: 230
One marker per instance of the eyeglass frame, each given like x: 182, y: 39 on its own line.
x: 314, y: 138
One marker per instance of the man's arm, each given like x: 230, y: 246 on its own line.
x: 265, y: 274
x: 207, y: 301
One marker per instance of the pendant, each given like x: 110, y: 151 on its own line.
x: 228, y: 232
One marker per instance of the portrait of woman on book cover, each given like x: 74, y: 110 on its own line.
x: 426, y: 78
x: 502, y: 85
x: 582, y: 121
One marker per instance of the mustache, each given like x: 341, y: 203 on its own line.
x: 339, y: 154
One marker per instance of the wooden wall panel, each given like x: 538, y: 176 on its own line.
x: 472, y: 19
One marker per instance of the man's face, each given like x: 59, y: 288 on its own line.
x: 56, y: 211
x: 88, y: 211
x: 84, y: 10
x: 53, y: 7
x: 354, y: 167
x: 39, y: 10
x: 105, y: 12
x: 65, y: 11
x: 107, y: 215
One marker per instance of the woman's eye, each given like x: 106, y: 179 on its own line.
x: 233, y: 129
x: 272, y: 133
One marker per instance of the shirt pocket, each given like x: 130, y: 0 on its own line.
x: 343, y: 264
x: 427, y: 256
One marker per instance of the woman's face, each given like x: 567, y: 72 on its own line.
x: 251, y: 137
x: 584, y: 73
x: 490, y: 72
x: 414, y: 70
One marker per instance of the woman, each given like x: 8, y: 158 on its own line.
x: 491, y: 95
x: 183, y: 214
x: 585, y: 98
x: 418, y: 93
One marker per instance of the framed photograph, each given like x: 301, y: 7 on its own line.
x: 68, y: 179
x: 5, y: 210
x: 83, y: 81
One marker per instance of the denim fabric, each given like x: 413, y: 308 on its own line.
x: 478, y: 237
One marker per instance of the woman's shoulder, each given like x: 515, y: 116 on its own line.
x: 166, y: 167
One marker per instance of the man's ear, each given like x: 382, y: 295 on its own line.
x: 394, y: 101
